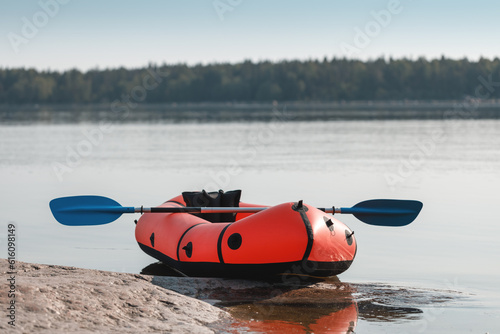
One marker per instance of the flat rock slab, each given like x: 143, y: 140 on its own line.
x: 59, y: 299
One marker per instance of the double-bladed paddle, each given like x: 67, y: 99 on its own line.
x: 99, y: 210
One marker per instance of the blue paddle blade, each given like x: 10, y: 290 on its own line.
x: 386, y: 212
x: 86, y: 210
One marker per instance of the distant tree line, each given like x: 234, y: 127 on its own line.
x: 314, y: 80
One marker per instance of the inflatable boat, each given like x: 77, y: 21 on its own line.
x: 216, y: 235
x: 290, y: 238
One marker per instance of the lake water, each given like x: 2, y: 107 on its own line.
x: 451, y: 165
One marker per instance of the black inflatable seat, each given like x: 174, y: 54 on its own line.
x: 213, y: 199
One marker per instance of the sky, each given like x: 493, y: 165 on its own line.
x: 89, y: 34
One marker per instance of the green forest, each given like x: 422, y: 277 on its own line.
x: 313, y: 80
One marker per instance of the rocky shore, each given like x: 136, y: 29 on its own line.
x: 59, y: 299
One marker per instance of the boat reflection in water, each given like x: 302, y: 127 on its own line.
x: 293, y: 306
x: 340, y: 318
x: 328, y: 306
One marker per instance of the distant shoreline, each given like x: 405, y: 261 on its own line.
x: 328, y: 79
x: 245, y: 112
x: 237, y: 111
